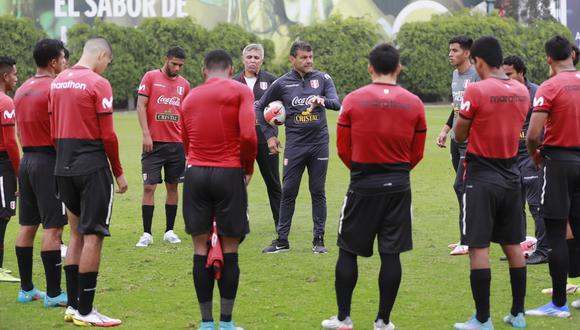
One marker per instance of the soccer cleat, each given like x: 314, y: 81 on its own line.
x: 69, y: 313
x: 576, y: 304
x: 63, y: 249
x: 460, y: 250
x: 318, y: 245
x: 6, y: 277
x: 474, y: 324
x: 277, y: 246
x: 229, y: 326
x: 28, y: 296
x: 333, y: 323
x: 171, y: 237
x: 518, y: 321
x: 570, y: 289
x: 529, y: 245
x: 60, y: 300
x: 536, y: 259
x: 550, y: 309
x: 145, y: 240
x: 380, y: 325
x: 4, y: 270
x: 94, y: 319
x: 452, y: 246
x: 207, y: 325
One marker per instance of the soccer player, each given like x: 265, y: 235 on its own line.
x: 378, y: 201
x: 463, y: 75
x: 37, y: 188
x: 557, y: 109
x: 9, y: 156
x: 259, y: 80
x: 221, y: 149
x: 160, y: 95
x: 305, y: 93
x: 492, y: 114
x: 81, y: 101
x: 515, y: 68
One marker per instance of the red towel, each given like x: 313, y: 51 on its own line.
x: 215, y: 257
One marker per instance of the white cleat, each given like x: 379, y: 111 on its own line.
x: 145, y: 240
x: 380, y: 325
x: 69, y: 313
x: 171, y: 237
x: 460, y: 250
x: 95, y: 319
x: 576, y: 304
x: 333, y: 323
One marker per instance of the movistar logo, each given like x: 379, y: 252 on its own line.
x: 538, y: 102
x: 465, y: 105
x: 107, y: 103
x: 9, y: 114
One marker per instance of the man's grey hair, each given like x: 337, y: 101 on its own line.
x: 250, y: 47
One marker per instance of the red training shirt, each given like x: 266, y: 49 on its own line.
x: 219, y: 125
x: 165, y: 96
x: 8, y: 142
x: 32, y: 119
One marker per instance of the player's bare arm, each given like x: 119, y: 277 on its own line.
x: 534, y: 137
x: 142, y: 115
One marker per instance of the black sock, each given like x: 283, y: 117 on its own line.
x: 228, y: 285
x: 558, y: 259
x: 389, y: 281
x: 204, y: 282
x: 24, y: 257
x: 52, y: 269
x: 147, y: 213
x: 346, y: 275
x: 518, y: 282
x: 3, y: 224
x: 170, y: 213
x: 574, y: 257
x: 87, y: 288
x: 71, y: 273
x: 480, y: 283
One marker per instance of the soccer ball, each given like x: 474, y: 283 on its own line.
x: 275, y: 113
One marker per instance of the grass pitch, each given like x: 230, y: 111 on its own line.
x: 152, y: 288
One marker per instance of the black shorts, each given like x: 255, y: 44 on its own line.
x: 7, y: 189
x: 89, y: 197
x: 560, y: 195
x: 170, y: 156
x: 491, y: 213
x: 364, y: 216
x: 37, y: 188
x: 218, y: 192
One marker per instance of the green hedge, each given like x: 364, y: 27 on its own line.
x: 424, y: 48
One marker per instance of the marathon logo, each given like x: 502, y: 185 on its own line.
x: 572, y: 88
x: 68, y: 85
x: 390, y: 104
x: 507, y: 99
x: 305, y: 119
x: 167, y: 116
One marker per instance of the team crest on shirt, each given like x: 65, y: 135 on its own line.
x: 9, y: 114
x: 180, y: 90
x: 314, y: 83
x: 263, y: 85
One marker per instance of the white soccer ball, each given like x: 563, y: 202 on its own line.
x: 275, y: 113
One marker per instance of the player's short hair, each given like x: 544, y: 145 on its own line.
x: 6, y: 64
x: 384, y: 58
x: 299, y: 45
x: 250, y: 47
x: 66, y: 54
x: 97, y: 44
x: 176, y: 52
x: 517, y: 63
x: 558, y: 48
x: 488, y: 49
x: 576, y: 51
x: 47, y: 50
x: 217, y: 60
x: 464, y: 42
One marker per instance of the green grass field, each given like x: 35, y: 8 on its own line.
x: 152, y: 288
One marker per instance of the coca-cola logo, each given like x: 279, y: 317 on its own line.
x: 302, y: 100
x: 175, y: 101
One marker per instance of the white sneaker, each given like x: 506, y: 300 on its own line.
x: 69, y: 313
x: 95, y: 318
x: 145, y: 240
x: 171, y: 237
x: 576, y: 304
x: 460, y: 250
x: 380, y: 325
x: 333, y: 323
x: 63, y: 249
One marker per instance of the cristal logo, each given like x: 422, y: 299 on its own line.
x: 175, y: 101
x: 538, y: 102
x: 302, y: 100
x: 465, y: 105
